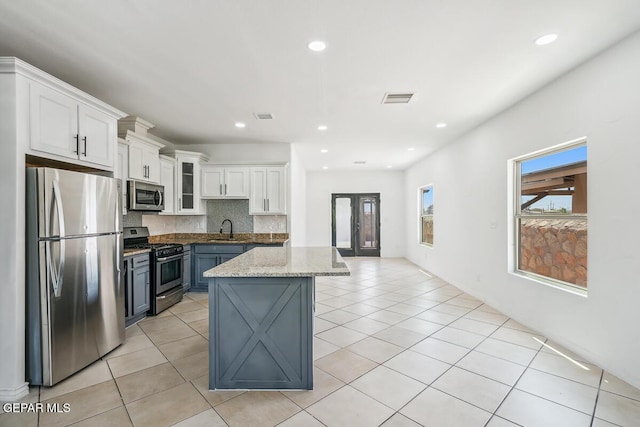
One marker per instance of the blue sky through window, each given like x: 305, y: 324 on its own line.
x: 427, y: 200
x: 566, y: 157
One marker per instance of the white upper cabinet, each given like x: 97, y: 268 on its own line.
x: 121, y: 172
x: 187, y: 199
x: 60, y: 125
x: 144, y: 158
x: 268, y: 191
x: 168, y: 180
x: 220, y: 182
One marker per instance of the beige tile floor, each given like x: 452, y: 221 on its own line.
x: 393, y: 347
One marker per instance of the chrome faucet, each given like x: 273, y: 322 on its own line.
x: 230, y: 228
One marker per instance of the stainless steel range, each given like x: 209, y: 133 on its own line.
x: 167, y: 268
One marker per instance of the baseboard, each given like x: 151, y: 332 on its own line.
x: 13, y: 394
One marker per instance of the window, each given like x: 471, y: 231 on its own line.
x: 426, y: 215
x: 551, y: 215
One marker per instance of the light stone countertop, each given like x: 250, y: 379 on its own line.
x: 283, y: 262
x: 136, y: 251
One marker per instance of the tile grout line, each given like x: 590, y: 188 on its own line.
x: 495, y: 413
x: 595, y: 404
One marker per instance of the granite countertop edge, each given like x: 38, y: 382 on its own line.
x: 136, y: 251
x: 282, y: 262
x: 221, y: 239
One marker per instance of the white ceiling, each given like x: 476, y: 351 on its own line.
x: 195, y: 67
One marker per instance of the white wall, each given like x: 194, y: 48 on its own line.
x: 12, y: 241
x: 254, y: 153
x: 320, y: 186
x: 599, y: 100
x: 297, y: 200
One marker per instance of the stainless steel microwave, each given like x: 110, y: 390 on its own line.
x: 143, y: 196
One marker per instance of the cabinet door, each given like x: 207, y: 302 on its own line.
x: 203, y: 262
x: 258, y: 195
x: 186, y: 276
x: 151, y: 158
x: 141, y: 289
x: 137, y: 167
x: 167, y: 179
x: 226, y: 257
x: 53, y: 122
x: 212, y: 182
x: 97, y: 136
x: 276, y: 200
x: 121, y: 172
x: 188, y: 187
x: 236, y: 183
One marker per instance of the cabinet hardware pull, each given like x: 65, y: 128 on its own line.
x: 267, y: 205
x: 179, y: 203
x: 84, y: 139
x: 77, y: 138
x: 225, y: 189
x: 221, y: 189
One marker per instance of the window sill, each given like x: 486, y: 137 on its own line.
x: 556, y: 284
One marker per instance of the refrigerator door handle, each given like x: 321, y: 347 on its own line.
x: 57, y: 283
x: 57, y: 274
x: 58, y: 203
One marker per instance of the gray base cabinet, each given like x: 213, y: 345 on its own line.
x: 137, y: 281
x: 206, y: 257
x: 186, y: 263
x: 261, y: 333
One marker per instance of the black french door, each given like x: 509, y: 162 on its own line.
x: 355, y: 224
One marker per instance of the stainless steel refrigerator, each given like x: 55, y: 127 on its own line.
x: 74, y: 290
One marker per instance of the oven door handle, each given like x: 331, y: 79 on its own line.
x: 169, y: 258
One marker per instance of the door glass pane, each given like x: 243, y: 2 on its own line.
x: 368, y: 222
x: 343, y: 223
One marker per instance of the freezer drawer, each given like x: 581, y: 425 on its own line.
x: 81, y: 306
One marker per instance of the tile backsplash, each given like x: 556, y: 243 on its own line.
x: 217, y: 211
x: 270, y: 224
x: 235, y: 210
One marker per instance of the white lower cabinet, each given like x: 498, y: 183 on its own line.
x: 267, y: 191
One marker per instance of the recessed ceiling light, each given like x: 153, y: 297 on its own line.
x: 317, y: 46
x: 325, y: 167
x: 441, y: 125
x: 410, y: 149
x: 240, y: 125
x: 324, y: 150
x: 546, y: 39
x: 389, y: 166
x: 322, y: 127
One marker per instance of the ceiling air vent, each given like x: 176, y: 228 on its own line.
x: 263, y: 116
x: 359, y: 162
x: 397, y: 98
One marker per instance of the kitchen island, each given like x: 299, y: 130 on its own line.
x: 261, y: 308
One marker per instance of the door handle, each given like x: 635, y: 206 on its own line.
x: 57, y: 281
x: 84, y: 139
x: 159, y: 198
x: 77, y: 138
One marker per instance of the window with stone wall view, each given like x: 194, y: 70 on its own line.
x: 426, y: 215
x: 551, y: 216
